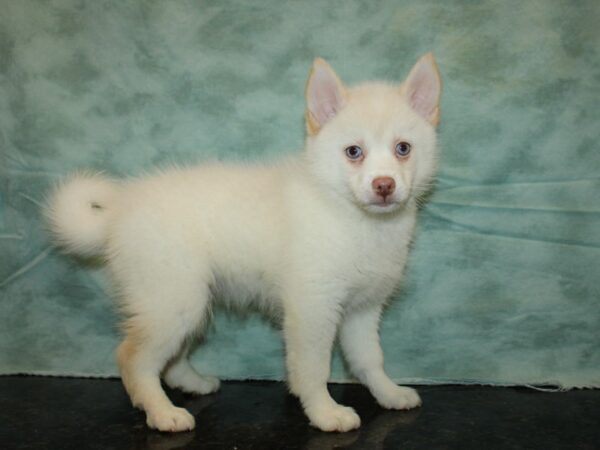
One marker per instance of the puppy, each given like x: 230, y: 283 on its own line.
x: 319, y: 240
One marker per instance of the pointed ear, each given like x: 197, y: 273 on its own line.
x: 423, y: 88
x: 325, y: 96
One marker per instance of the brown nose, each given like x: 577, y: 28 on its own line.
x: 384, y: 186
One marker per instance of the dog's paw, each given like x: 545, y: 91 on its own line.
x: 333, y: 418
x: 205, y: 385
x: 200, y: 385
x: 171, y: 420
x: 398, y: 397
x: 193, y: 383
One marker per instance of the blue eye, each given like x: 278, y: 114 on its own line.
x: 402, y: 148
x: 354, y: 152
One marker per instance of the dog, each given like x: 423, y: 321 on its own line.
x: 318, y: 240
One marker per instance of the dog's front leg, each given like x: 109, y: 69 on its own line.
x: 310, y: 328
x: 359, y: 338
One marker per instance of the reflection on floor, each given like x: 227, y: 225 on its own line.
x: 63, y: 414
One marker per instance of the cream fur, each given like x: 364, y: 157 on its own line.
x: 306, y: 240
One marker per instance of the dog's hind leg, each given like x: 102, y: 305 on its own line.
x: 164, y: 314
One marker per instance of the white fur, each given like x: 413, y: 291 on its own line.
x: 306, y: 239
x: 79, y: 211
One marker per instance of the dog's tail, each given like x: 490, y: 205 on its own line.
x: 78, y: 212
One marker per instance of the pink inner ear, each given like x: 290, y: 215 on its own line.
x: 424, y: 90
x: 423, y: 102
x: 325, y: 96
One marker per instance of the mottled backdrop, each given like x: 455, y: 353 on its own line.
x: 504, y: 281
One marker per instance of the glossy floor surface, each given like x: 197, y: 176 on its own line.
x: 55, y: 413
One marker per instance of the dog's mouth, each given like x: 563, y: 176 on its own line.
x: 385, y: 204
x: 382, y: 205
x: 386, y: 200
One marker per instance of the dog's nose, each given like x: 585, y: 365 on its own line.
x: 383, y: 186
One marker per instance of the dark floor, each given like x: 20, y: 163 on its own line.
x: 63, y: 414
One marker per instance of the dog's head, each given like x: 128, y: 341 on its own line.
x: 374, y: 144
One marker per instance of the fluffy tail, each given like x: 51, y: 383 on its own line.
x: 78, y: 213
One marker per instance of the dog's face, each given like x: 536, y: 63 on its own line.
x: 374, y: 144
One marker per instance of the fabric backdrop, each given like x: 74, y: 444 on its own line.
x: 504, y: 281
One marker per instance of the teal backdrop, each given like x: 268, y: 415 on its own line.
x: 504, y: 280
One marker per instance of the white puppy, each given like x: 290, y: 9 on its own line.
x: 320, y: 241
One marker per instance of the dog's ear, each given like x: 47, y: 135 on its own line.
x: 325, y: 96
x: 423, y: 88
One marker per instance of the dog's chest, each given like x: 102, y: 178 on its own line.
x: 371, y: 266
x: 378, y: 266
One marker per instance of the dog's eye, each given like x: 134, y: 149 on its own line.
x: 354, y: 152
x: 402, y: 148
